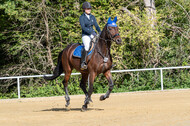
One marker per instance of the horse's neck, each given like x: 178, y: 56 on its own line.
x: 104, y: 44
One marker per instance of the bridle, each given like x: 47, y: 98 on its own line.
x: 112, y: 37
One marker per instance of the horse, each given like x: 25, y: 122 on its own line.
x: 100, y: 61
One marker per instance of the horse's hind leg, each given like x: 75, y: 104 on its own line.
x: 65, y: 83
x: 111, y: 85
x: 90, y: 90
x: 83, y: 86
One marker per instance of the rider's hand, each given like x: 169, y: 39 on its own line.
x: 91, y: 36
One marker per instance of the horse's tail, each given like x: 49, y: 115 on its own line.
x: 58, y: 69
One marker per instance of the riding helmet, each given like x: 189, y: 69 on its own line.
x: 86, y: 5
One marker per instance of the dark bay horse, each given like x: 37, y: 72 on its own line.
x: 100, y: 62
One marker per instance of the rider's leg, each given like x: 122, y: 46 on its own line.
x: 86, y: 41
x: 83, y: 59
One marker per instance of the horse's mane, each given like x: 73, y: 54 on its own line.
x: 103, y: 39
x: 104, y: 30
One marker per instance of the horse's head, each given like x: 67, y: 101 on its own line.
x: 112, y: 30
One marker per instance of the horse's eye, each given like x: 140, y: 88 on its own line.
x: 110, y: 28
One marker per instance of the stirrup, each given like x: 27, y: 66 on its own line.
x: 83, y: 66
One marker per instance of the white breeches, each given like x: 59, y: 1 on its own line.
x: 86, y: 41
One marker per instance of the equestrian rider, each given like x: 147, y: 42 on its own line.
x: 87, y: 21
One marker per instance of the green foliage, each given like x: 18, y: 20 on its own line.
x: 29, y: 46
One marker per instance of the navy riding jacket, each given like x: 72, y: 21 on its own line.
x: 87, y: 24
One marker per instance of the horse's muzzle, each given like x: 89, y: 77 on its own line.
x: 118, y: 41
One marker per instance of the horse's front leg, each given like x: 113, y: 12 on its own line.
x: 90, y: 90
x: 111, y: 85
x: 83, y: 83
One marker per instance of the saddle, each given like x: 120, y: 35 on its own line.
x: 78, y: 50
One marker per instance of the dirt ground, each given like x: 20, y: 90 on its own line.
x: 152, y: 108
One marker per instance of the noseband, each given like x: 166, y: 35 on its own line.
x: 115, y: 35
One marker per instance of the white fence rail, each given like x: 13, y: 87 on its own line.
x: 113, y: 71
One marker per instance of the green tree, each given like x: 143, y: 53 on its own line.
x: 32, y: 33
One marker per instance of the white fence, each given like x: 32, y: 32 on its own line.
x: 114, y: 71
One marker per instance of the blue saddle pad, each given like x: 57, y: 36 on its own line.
x: 77, y: 51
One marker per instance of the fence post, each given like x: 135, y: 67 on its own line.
x: 18, y: 87
x: 161, y: 76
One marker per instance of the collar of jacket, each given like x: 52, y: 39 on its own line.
x: 86, y: 15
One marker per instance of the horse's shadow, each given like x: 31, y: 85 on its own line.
x: 72, y: 109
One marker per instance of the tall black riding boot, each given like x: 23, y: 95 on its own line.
x: 83, y: 60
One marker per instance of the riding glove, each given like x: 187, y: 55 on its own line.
x: 91, y: 36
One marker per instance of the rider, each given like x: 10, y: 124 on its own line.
x: 87, y: 20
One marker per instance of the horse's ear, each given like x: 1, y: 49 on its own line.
x: 115, y: 19
x: 109, y: 20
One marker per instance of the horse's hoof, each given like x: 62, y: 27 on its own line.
x: 67, y: 108
x: 102, y: 98
x: 84, y: 108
